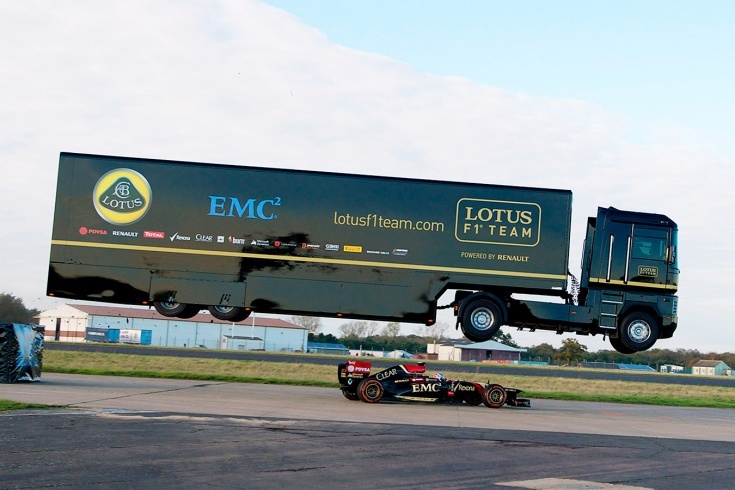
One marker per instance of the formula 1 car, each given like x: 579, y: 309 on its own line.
x: 409, y: 382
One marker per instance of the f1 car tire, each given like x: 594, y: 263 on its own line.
x: 350, y: 396
x: 494, y: 396
x: 370, y: 390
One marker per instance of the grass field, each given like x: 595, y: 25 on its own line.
x: 318, y: 375
x: 237, y: 371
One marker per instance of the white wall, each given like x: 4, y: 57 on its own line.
x: 73, y: 323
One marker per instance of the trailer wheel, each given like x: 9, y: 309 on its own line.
x: 638, y: 331
x: 178, y: 310
x: 370, y: 390
x: 494, y: 396
x: 618, y: 346
x: 481, y: 320
x: 229, y: 313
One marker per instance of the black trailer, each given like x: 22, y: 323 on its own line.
x: 187, y: 236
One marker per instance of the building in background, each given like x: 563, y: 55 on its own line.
x: 69, y: 322
x: 488, y: 351
x: 711, y: 368
x: 394, y: 354
x: 672, y: 369
x: 327, y: 348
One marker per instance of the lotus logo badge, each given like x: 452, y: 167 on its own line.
x: 122, y: 196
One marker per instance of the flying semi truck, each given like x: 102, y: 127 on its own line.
x: 184, y: 237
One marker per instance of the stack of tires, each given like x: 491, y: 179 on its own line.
x: 21, y: 352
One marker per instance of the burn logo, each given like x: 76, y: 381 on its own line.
x: 122, y: 196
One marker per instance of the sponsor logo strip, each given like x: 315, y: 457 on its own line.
x: 280, y: 258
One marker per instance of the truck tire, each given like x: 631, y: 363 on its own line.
x: 178, y: 310
x: 370, y: 390
x: 638, y: 331
x: 229, y: 313
x: 494, y: 396
x: 481, y: 320
x: 618, y: 346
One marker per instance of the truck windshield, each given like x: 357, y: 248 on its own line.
x: 649, y: 248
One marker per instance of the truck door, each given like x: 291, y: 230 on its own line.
x: 648, y: 255
x: 614, y: 260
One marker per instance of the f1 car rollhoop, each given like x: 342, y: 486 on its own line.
x: 409, y: 382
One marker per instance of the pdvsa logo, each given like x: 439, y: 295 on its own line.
x: 122, y: 196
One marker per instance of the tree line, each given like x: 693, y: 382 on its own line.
x: 371, y: 336
x: 12, y: 310
x: 368, y: 336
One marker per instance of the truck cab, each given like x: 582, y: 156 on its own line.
x: 630, y: 275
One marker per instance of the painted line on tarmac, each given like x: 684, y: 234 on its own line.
x: 71, y: 411
x: 566, y: 484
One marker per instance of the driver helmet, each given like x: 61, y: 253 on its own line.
x: 440, y: 377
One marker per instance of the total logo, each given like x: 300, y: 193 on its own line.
x: 122, y: 196
x: 154, y: 234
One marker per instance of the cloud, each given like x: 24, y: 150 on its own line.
x: 241, y: 82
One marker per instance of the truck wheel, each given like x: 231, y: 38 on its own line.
x: 229, y: 313
x: 370, y: 390
x: 481, y: 320
x: 638, y: 331
x: 178, y: 310
x: 618, y: 346
x: 494, y: 396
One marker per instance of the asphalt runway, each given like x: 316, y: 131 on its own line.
x: 154, y: 433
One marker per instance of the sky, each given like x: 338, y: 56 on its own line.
x: 627, y: 104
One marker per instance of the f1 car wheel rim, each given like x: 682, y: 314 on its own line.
x: 639, y: 331
x: 482, y: 318
x: 495, y: 396
x: 372, y: 391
